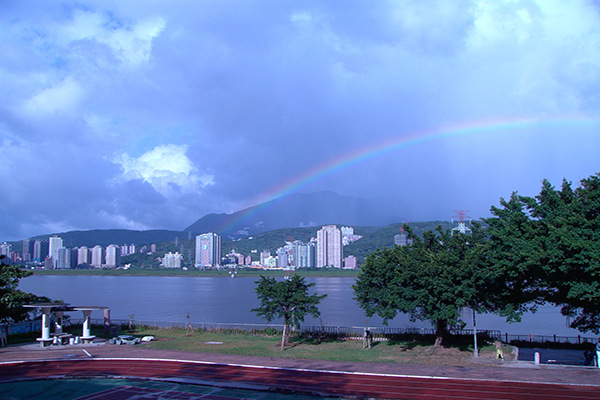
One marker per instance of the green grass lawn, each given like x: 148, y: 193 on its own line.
x: 335, y: 350
x: 406, y: 352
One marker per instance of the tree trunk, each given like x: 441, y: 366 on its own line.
x: 441, y: 333
x: 285, y: 339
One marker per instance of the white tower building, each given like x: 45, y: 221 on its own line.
x: 55, y: 243
x: 208, y: 250
x: 97, y: 256
x: 113, y: 256
x: 329, y: 247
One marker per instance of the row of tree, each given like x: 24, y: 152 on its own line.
x: 534, y: 250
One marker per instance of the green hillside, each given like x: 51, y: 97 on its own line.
x: 378, y: 238
x: 105, y: 237
x: 173, y: 241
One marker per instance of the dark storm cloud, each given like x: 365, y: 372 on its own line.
x: 117, y: 115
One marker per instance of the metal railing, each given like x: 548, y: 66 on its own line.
x: 207, y: 326
x: 348, y: 332
x: 509, y: 338
x: 22, y: 327
x: 386, y: 333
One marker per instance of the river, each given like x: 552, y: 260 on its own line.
x: 227, y: 300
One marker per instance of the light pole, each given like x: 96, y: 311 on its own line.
x: 475, y: 352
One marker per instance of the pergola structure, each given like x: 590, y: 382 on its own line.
x: 59, y: 309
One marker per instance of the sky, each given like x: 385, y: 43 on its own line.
x: 150, y: 115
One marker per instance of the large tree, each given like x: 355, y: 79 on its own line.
x: 288, y: 299
x: 441, y: 273
x: 11, y: 298
x: 553, y: 239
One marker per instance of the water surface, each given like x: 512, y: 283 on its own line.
x: 227, y: 300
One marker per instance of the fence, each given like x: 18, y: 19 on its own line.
x: 341, y: 332
x: 346, y: 332
x: 22, y: 327
x: 385, y: 333
x: 206, y: 326
x: 507, y: 338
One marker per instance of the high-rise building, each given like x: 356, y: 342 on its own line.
x: 208, y: 250
x: 329, y: 247
x: 172, y: 260
x: 74, y: 257
x: 54, y: 243
x: 63, y: 258
x: 6, y: 251
x: 97, y: 256
x: 270, y: 262
x: 40, y: 250
x: 83, y: 255
x: 303, y: 254
x: 26, y: 255
x: 263, y: 256
x: 113, y: 256
x: 282, y: 258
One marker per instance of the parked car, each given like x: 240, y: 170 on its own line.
x: 125, y: 339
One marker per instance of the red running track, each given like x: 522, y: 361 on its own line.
x: 303, y: 381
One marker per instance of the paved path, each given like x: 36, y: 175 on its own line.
x: 521, y: 380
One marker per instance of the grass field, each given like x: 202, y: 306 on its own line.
x: 303, y: 348
x: 268, y: 345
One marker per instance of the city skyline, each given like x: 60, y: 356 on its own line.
x: 116, y: 116
x: 324, y: 250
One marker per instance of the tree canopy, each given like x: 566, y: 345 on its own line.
x: 287, y: 299
x: 430, y: 279
x: 11, y: 298
x: 434, y: 278
x: 553, y: 240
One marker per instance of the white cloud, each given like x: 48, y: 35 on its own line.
x: 167, y: 168
x: 131, y: 45
x: 65, y: 97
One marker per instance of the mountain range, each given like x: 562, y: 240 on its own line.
x: 299, y: 210
x: 290, y: 211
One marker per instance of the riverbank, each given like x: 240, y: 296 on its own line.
x: 329, y: 272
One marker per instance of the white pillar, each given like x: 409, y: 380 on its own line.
x: 86, y: 323
x: 58, y: 323
x: 46, y: 323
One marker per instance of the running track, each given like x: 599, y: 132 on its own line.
x: 304, y: 381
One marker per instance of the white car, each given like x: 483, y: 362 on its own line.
x: 125, y: 339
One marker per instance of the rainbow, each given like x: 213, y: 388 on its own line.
x: 404, y: 141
